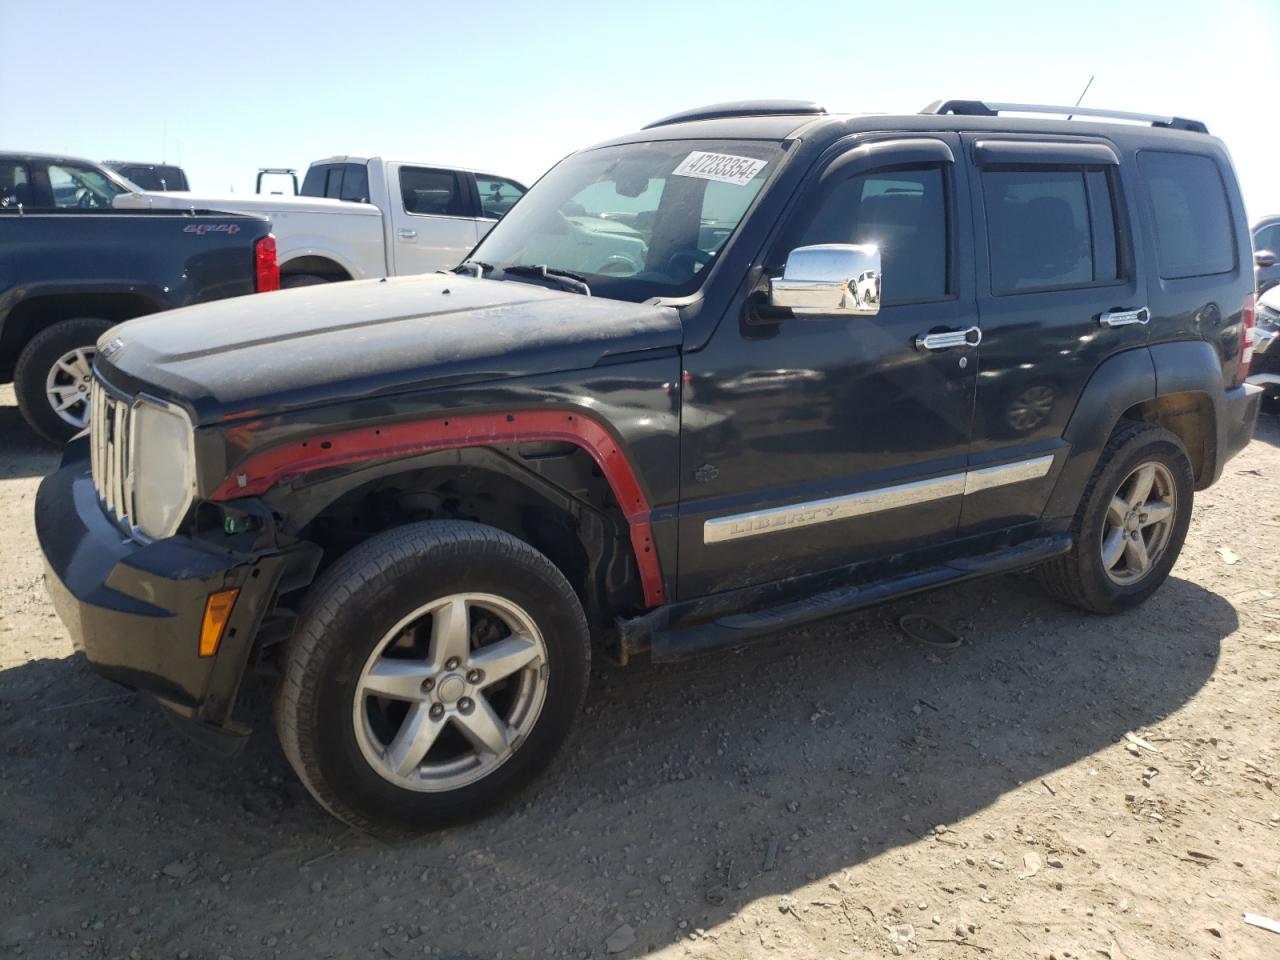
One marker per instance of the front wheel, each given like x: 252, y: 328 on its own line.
x: 437, y: 668
x: 1131, y: 523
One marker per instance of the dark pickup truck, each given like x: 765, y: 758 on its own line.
x: 71, y: 268
x: 748, y: 367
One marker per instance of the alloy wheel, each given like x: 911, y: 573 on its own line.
x: 66, y: 386
x: 1139, y: 523
x: 449, y: 693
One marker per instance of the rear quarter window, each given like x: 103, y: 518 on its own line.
x: 1189, y: 213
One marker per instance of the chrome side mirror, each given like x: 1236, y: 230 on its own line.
x: 1264, y: 258
x: 830, y: 279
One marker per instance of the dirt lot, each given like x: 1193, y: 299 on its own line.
x: 840, y: 792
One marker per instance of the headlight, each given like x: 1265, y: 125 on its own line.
x: 162, y: 467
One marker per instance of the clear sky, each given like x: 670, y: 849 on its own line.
x: 226, y: 86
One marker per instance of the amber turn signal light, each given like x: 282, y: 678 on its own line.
x: 217, y: 611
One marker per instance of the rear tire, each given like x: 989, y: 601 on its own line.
x: 1109, y: 569
x: 54, y: 368
x: 434, y: 670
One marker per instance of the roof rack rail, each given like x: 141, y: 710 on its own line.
x: 742, y: 108
x: 984, y: 108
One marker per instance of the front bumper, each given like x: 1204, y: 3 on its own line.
x: 135, y: 609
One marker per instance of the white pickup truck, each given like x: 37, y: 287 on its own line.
x: 362, y: 217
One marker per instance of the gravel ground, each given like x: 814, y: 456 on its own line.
x: 1060, y: 786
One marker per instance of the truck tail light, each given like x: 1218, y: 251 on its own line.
x: 266, y: 270
x: 1248, y: 334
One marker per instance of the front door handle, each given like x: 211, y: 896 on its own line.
x: 949, y: 338
x: 407, y: 234
x: 1123, y: 318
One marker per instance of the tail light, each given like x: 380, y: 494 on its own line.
x: 266, y: 272
x: 1248, y: 334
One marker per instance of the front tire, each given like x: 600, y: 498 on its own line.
x: 1130, y: 525
x: 52, y: 376
x: 434, y: 670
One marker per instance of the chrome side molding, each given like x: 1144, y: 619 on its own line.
x: 793, y: 516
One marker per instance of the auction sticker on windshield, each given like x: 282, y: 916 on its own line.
x: 719, y: 166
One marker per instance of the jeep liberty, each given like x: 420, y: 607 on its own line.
x: 748, y: 367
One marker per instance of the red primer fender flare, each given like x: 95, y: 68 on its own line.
x: 264, y: 470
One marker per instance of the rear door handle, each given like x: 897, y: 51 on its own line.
x: 1123, y: 318
x: 407, y: 234
x: 949, y: 338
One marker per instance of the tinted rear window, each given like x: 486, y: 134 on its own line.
x: 1190, y: 213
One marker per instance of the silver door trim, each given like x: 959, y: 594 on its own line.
x: 770, y: 520
x: 984, y: 478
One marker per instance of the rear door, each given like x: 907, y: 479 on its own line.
x: 1059, y: 290
x: 434, y: 218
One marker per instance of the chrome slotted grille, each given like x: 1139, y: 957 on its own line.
x: 109, y: 453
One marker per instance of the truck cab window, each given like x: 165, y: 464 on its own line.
x: 497, y: 195
x: 15, y: 185
x: 80, y: 187
x: 903, y: 212
x: 428, y: 192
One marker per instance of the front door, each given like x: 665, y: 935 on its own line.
x: 812, y: 442
x: 433, y: 218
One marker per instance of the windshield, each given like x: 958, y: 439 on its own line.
x: 637, y: 220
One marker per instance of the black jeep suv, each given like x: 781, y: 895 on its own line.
x: 748, y: 367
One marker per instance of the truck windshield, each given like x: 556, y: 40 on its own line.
x: 636, y: 220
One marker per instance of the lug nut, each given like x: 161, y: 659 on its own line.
x: 465, y: 704
x: 451, y: 663
x: 428, y: 685
x: 436, y: 711
x: 474, y: 676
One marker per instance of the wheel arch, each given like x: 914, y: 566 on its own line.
x: 41, y: 310
x: 315, y: 265
x: 1177, y: 386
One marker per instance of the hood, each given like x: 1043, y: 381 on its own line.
x: 261, y: 204
x: 292, y: 348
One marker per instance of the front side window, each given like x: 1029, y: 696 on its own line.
x: 1190, y: 213
x: 81, y: 187
x: 1049, y: 229
x: 497, y: 196
x: 636, y: 220
x: 427, y: 192
x: 901, y: 211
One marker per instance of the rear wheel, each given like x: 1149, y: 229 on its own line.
x: 1131, y: 523
x: 438, y: 668
x: 53, y: 375
x: 291, y: 280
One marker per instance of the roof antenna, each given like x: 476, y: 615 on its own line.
x: 1081, y: 97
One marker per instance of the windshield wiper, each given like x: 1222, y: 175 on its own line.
x: 565, y: 279
x: 477, y: 268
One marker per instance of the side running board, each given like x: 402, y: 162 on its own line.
x: 738, y: 628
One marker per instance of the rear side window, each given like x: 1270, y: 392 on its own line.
x: 1049, y: 229
x: 1190, y: 214
x: 903, y: 212
x: 15, y: 184
x: 438, y: 192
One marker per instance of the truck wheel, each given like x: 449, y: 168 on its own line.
x: 1130, y: 525
x: 434, y: 669
x: 52, y: 377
